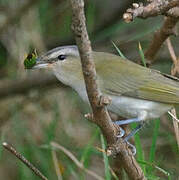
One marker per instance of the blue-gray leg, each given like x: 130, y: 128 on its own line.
x: 132, y: 133
x: 121, y: 133
x: 127, y: 121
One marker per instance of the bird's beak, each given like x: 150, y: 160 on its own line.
x: 40, y: 64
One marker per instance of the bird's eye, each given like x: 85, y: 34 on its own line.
x: 61, y: 57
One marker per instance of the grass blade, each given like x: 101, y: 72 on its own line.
x: 142, y: 55
x: 138, y: 145
x: 154, y: 140
x: 106, y: 162
x: 85, y: 155
x: 118, y: 50
x: 151, y: 165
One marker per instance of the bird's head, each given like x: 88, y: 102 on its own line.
x: 65, y: 63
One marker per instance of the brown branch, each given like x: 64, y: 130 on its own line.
x: 24, y: 160
x: 174, y: 72
x: 22, y: 86
x: 82, y: 40
x: 159, y: 37
x: 172, y: 52
x: 101, y: 116
x: 169, y: 8
x: 155, y: 8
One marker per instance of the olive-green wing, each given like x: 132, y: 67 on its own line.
x: 123, y: 77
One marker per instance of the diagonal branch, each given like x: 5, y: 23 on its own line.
x: 155, y: 8
x: 170, y: 8
x: 12, y: 150
x: 159, y: 37
x: 100, y: 113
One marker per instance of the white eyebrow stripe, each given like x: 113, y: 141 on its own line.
x: 55, y: 54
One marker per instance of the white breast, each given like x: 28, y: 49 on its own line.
x: 131, y: 107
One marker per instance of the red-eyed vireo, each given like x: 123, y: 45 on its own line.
x: 137, y: 93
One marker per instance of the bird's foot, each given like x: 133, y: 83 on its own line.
x: 121, y: 133
x: 131, y: 134
x: 131, y: 147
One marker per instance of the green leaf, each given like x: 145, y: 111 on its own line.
x: 86, y: 153
x: 118, y: 50
x: 106, y: 161
x: 151, y: 165
x: 142, y: 55
x: 154, y: 141
x: 140, y: 154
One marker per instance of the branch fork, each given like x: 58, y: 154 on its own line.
x: 154, y: 8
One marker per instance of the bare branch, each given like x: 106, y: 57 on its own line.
x: 175, y: 124
x: 159, y: 37
x: 24, y: 160
x: 100, y: 114
x: 75, y: 160
x: 174, y: 72
x: 156, y: 7
x: 171, y: 51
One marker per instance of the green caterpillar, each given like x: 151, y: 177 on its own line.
x: 30, y: 60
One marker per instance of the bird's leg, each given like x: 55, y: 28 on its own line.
x: 128, y: 121
x: 121, y: 133
x: 132, y: 133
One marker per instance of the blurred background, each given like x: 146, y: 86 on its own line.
x: 36, y: 109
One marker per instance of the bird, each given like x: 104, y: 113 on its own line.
x: 137, y: 93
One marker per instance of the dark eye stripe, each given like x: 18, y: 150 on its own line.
x: 61, y: 57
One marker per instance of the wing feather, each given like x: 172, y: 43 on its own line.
x: 123, y: 77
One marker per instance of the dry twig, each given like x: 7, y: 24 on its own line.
x: 101, y: 116
x: 159, y: 37
x: 174, y: 72
x: 169, y: 8
x: 24, y: 160
x: 75, y: 160
x: 155, y: 8
x: 56, y: 164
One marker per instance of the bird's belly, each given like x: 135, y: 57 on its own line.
x: 129, y: 107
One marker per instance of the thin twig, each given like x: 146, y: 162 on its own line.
x: 154, y: 8
x: 56, y: 164
x: 75, y: 160
x: 159, y: 38
x: 175, y: 125
x: 174, y: 73
x: 171, y: 51
x: 24, y: 160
